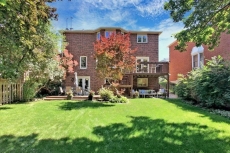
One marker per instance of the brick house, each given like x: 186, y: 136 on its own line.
x: 80, y: 44
x: 184, y: 62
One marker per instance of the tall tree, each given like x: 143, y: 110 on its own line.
x: 204, y: 20
x: 114, y: 56
x: 25, y: 35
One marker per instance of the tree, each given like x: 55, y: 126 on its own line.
x: 114, y: 56
x: 66, y: 61
x: 2, y: 2
x: 204, y: 21
x: 25, y: 35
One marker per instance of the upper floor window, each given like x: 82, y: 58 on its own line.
x: 98, y: 36
x: 83, y: 62
x: 108, y: 33
x: 197, y: 57
x: 142, y: 39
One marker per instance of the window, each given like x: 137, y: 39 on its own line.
x: 98, y: 36
x: 142, y: 82
x: 142, y: 39
x: 195, y: 61
x: 142, y: 68
x: 83, y: 62
x: 108, y: 33
x: 198, y: 60
x: 197, y: 57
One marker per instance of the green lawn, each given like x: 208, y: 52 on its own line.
x: 142, y: 125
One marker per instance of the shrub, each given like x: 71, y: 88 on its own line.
x: 209, y: 85
x: 116, y: 99
x: 29, y: 90
x: 124, y: 99
x: 106, y: 94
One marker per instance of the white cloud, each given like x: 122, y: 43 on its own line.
x: 118, y: 15
x: 113, y: 4
x: 140, y: 7
x: 151, y: 8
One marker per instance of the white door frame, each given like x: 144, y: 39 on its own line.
x: 83, y: 81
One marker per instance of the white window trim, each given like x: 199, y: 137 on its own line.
x: 98, y: 37
x: 142, y: 38
x: 197, y: 51
x: 80, y: 63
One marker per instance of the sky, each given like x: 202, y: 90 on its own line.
x: 138, y: 15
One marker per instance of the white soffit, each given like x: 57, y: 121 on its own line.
x: 196, y: 50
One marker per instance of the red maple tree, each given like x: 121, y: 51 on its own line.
x: 66, y: 61
x: 114, y: 56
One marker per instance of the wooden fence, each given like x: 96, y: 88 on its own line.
x: 10, y: 92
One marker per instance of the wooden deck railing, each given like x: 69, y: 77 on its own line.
x: 152, y: 67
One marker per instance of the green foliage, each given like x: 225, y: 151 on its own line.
x: 51, y: 87
x: 29, y: 90
x: 182, y: 89
x: 114, y: 99
x: 163, y: 82
x: 121, y: 99
x: 204, y: 21
x: 2, y: 2
x: 209, y: 85
x: 26, y: 37
x: 124, y: 99
x: 106, y: 94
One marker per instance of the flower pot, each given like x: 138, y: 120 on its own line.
x: 69, y: 97
x: 90, y: 97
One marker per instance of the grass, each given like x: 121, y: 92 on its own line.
x: 142, y: 125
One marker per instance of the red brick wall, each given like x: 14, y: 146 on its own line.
x: 223, y: 49
x: 181, y: 63
x: 149, y: 49
x: 81, y: 44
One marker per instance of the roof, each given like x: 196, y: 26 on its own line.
x: 111, y: 29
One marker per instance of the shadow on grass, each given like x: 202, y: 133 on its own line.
x: 144, y: 135
x: 193, y: 108
x: 82, y: 104
x: 4, y: 108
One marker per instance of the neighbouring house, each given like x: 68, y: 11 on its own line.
x: 146, y: 74
x: 194, y: 57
